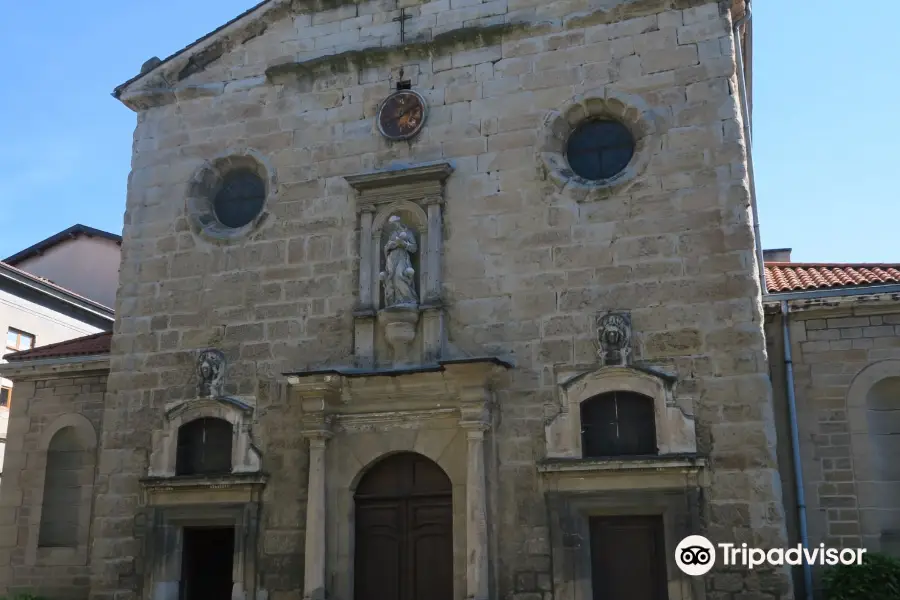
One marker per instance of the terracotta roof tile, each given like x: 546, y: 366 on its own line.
x: 795, y: 277
x: 98, y: 343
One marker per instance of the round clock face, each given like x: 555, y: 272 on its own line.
x: 402, y: 115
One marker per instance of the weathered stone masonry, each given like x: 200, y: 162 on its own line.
x: 58, y: 404
x: 530, y: 256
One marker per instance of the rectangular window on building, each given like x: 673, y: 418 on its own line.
x: 17, y: 340
x: 5, y: 396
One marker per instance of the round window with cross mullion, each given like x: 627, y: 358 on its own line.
x: 600, y: 149
x: 240, y: 198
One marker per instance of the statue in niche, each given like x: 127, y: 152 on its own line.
x: 398, y: 275
x: 211, y: 374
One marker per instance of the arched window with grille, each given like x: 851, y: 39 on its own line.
x: 204, y: 447
x: 618, y: 424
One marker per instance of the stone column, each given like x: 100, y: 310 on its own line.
x: 363, y: 322
x: 433, y: 329
x: 314, y: 560
x: 476, y: 515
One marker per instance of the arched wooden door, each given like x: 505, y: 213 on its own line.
x: 404, y: 531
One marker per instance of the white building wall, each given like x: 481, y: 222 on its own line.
x: 88, y: 266
x: 48, y: 327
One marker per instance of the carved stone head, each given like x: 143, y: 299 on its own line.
x: 614, y: 337
x: 211, y: 374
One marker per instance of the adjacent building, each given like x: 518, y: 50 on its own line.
x: 56, y: 290
x: 841, y: 373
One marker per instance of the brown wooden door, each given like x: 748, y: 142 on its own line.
x: 628, y: 558
x: 404, y: 533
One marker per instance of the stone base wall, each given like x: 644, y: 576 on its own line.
x: 41, y: 408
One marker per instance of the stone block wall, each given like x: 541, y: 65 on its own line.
x: 839, y: 353
x: 527, y: 262
x: 42, y: 408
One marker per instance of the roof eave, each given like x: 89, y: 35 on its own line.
x: 210, y: 37
x: 37, y: 368
x: 58, y: 293
x: 57, y: 238
x: 829, y: 293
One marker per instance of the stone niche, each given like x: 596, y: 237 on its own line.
x: 399, y: 320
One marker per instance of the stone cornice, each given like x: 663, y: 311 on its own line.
x: 353, y: 397
x: 188, y: 490
x: 581, y: 466
x: 159, y: 82
x: 380, y: 420
x: 633, y: 473
x: 421, y: 183
x: 838, y: 306
x: 50, y: 367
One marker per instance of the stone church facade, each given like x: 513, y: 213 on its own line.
x: 445, y: 299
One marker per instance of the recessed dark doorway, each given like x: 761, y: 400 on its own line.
x: 206, y: 563
x: 628, y: 558
x: 404, y: 531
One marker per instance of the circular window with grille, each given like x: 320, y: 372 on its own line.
x: 599, y: 149
x: 240, y: 198
x: 594, y: 147
x: 227, y: 197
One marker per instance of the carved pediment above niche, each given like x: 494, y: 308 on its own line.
x: 673, y: 413
x: 399, y: 319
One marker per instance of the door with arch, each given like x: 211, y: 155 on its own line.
x: 404, y: 531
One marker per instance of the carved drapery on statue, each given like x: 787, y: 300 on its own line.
x: 399, y: 276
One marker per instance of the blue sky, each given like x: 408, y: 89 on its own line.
x: 826, y: 126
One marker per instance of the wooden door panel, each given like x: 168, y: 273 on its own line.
x: 379, y: 551
x: 404, y: 531
x: 627, y: 558
x: 430, y: 549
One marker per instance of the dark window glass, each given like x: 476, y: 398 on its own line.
x: 204, y: 448
x: 240, y: 199
x: 600, y: 149
x: 618, y: 424
x: 4, y: 396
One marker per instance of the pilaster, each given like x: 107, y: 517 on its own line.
x: 475, y: 419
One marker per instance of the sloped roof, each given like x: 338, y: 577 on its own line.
x: 49, y: 288
x: 260, y: 9
x: 72, y: 232
x: 98, y: 343
x: 796, y: 277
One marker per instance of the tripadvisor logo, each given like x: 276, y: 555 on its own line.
x: 695, y: 555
